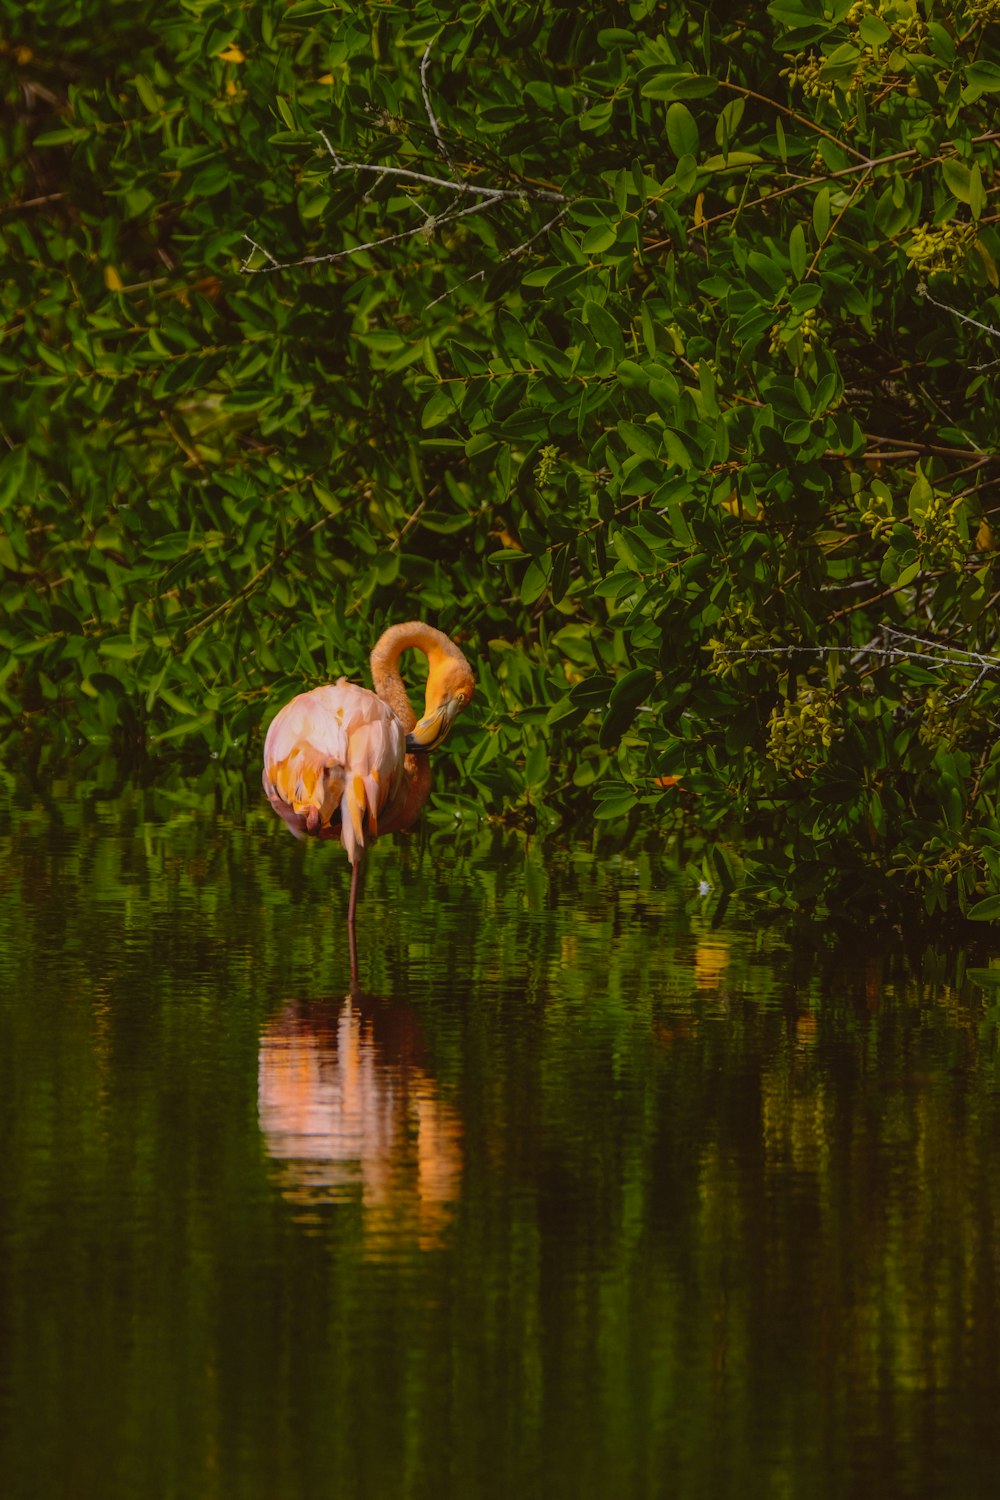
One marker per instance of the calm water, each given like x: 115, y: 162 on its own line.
x: 572, y: 1196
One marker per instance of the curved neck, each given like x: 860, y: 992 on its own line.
x: 385, y: 663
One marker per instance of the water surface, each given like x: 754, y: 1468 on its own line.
x: 573, y: 1193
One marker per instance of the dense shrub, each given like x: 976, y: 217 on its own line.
x: 648, y: 347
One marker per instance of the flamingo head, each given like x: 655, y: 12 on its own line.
x: 450, y: 686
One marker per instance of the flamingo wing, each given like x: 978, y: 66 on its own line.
x: 333, y: 760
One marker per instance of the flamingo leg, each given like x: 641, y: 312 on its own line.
x: 352, y: 948
x: 352, y: 904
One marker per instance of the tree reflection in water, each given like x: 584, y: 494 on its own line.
x: 350, y: 1114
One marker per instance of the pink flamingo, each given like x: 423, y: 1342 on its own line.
x: 344, y: 763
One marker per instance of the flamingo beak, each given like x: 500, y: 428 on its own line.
x: 432, y: 728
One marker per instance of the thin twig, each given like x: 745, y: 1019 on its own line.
x: 193, y: 455
x: 907, y: 445
x: 427, y: 229
x: 834, y: 226
x: 922, y: 640
x: 16, y: 205
x: 923, y: 291
x: 408, y: 525
x: 961, y: 697
x: 738, y: 88
x: 266, y: 253
x: 510, y: 255
x: 958, y: 658
x: 866, y: 603
x: 431, y: 116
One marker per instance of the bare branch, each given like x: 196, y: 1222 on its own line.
x: 326, y: 142
x: 963, y: 317
x: 457, y: 187
x: 18, y: 204
x: 494, y: 194
x: 409, y: 524
x: 934, y: 655
x: 266, y: 253
x: 984, y: 672
x: 976, y: 658
x: 432, y: 118
x: 426, y: 229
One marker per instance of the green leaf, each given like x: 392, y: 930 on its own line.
x: 631, y: 374
x: 983, y: 77
x: 679, y: 85
x: 599, y: 239
x: 957, y: 178
x: 821, y: 214
x: 844, y: 293
x: 942, y: 42
x: 682, y: 132
x: 768, y: 271
x: 730, y: 161
x: 626, y: 695
x: 438, y: 408
x: 987, y: 910
x: 535, y: 579
x: 604, y: 327
x: 536, y: 764
x: 612, y: 809
x: 61, y: 137
x: 186, y: 728
x: 723, y: 868
x: 148, y: 95
x: 797, y: 251
x: 643, y: 440
x: 873, y: 31
x: 593, y: 692
x: 728, y: 122
x: 120, y: 648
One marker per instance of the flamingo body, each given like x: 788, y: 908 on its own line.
x: 344, y: 763
x: 333, y: 764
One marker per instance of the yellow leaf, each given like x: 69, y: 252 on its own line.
x: 232, y: 54
x: 699, y: 211
x: 988, y: 264
x: 985, y: 538
x: 326, y: 78
x: 112, y: 280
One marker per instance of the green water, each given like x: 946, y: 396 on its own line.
x: 574, y: 1195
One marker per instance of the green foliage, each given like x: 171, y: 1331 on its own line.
x: 646, y: 349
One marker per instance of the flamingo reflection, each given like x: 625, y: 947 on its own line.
x: 349, y: 1113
